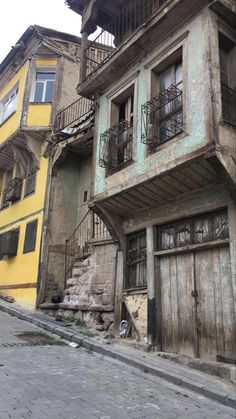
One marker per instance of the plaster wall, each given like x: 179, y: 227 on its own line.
x: 68, y: 93
x: 192, y: 38
x: 62, y: 217
x: 10, y: 125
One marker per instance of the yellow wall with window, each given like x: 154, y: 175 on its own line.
x: 39, y: 114
x: 11, y: 124
x: 23, y: 268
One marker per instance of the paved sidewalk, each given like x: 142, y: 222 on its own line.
x: 185, y: 377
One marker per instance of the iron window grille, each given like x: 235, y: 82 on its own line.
x: 136, y: 261
x: 191, y: 231
x: 116, y: 146
x: 162, y: 116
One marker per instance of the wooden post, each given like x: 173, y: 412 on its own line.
x: 232, y: 244
x: 151, y: 314
x: 119, y: 289
x: 83, y: 58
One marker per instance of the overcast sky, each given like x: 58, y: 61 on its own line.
x: 18, y: 15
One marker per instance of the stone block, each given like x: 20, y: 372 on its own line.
x: 108, y: 317
x: 107, y: 299
x: 68, y: 315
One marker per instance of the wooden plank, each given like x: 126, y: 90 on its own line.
x: 123, y: 202
x: 179, y: 183
x: 145, y: 199
x: 218, y: 302
x: 184, y: 272
x: 18, y: 286
x: 134, y: 200
x: 195, y: 176
x: 164, y: 188
x: 174, y: 303
x: 206, y: 307
x: 150, y: 188
x: 204, y: 173
x: 160, y: 190
x: 167, y: 344
x: 181, y: 175
x: 173, y: 183
x: 228, y: 308
x: 149, y: 193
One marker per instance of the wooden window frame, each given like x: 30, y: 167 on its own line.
x: 131, y: 284
x: 11, y: 96
x: 45, y: 70
x: 30, y: 247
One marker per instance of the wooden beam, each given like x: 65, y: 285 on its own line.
x: 18, y: 286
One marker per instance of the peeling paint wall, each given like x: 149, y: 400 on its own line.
x: 137, y: 305
x: 62, y: 220
x: 68, y: 93
x: 196, y: 108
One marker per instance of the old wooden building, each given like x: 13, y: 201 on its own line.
x: 164, y: 164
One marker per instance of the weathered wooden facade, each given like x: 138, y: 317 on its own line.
x: 164, y: 164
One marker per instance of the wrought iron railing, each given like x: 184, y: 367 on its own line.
x: 116, y: 146
x: 228, y: 103
x: 74, y: 113
x: 78, y: 246
x: 162, y: 116
x: 133, y: 14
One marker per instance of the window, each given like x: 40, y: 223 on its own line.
x: 8, y: 104
x: 191, y: 231
x: 9, y: 243
x: 227, y: 50
x: 162, y: 116
x: 136, y: 261
x: 85, y: 196
x: 44, y: 86
x: 30, y: 181
x: 30, y: 236
x: 116, y: 142
x: 8, y: 175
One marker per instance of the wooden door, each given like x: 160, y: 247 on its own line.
x: 216, y: 315
x: 197, y: 306
x: 176, y: 275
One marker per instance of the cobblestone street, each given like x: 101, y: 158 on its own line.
x: 58, y: 381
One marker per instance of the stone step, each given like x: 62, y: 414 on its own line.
x: 79, y: 271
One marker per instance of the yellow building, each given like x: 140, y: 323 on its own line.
x: 36, y: 81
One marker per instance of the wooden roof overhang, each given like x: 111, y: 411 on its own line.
x: 179, y: 181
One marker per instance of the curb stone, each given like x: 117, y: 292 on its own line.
x: 89, y: 344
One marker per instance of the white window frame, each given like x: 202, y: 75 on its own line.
x: 6, y: 100
x: 43, y: 70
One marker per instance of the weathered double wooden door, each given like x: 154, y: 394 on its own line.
x: 197, y: 306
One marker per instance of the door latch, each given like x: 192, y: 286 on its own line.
x: 194, y: 293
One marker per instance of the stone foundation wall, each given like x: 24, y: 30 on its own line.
x: 90, y: 291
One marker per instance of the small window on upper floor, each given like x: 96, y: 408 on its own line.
x: 8, y: 104
x: 162, y: 116
x: 116, y: 143
x: 43, y: 88
x: 227, y: 51
x: 30, y: 181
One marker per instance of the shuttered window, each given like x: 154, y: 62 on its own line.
x: 1, y: 255
x: 30, y: 236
